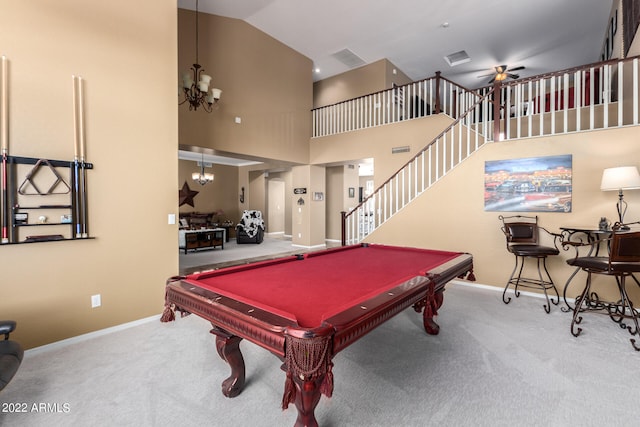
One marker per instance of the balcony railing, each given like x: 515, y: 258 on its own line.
x: 596, y: 96
x: 434, y: 95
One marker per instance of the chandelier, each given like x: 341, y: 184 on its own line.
x: 195, y: 84
x: 201, y: 177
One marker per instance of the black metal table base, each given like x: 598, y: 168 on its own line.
x: 590, y: 302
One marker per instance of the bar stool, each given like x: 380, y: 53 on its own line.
x: 622, y: 262
x: 523, y: 241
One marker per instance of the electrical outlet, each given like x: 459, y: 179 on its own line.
x: 96, y: 301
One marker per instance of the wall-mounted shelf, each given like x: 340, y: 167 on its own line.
x: 43, y: 192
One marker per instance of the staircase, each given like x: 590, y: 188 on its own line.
x: 593, y: 97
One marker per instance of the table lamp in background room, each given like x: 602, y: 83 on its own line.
x: 620, y: 178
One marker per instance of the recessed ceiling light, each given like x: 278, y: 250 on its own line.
x: 317, y: 70
x: 445, y: 25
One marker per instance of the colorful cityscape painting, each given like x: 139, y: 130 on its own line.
x: 535, y: 184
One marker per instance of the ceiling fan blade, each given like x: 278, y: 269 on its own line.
x: 517, y: 68
x: 493, y: 79
x: 513, y: 76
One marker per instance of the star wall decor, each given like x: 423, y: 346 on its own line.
x: 186, y: 195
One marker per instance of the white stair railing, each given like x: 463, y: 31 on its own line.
x: 453, y: 145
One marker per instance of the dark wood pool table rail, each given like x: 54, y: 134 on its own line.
x: 261, y: 327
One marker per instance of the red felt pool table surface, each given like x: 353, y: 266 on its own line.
x: 313, y: 287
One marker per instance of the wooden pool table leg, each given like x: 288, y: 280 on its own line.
x: 431, y: 304
x: 228, y: 347
x: 307, y: 398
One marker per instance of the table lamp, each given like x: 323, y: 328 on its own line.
x: 620, y: 178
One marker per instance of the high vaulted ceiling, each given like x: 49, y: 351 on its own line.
x: 416, y: 35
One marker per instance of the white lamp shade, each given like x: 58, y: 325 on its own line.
x: 620, y: 178
x: 216, y: 93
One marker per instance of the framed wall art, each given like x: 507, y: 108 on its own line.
x: 535, y: 184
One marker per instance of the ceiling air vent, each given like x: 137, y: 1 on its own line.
x: 348, y: 58
x: 457, y: 58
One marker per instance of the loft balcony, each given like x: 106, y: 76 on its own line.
x: 592, y: 97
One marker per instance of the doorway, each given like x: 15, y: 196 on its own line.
x: 276, y: 206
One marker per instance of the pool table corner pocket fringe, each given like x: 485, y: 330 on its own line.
x: 169, y: 313
x: 308, y: 360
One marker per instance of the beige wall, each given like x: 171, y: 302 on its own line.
x: 264, y: 83
x: 257, y: 192
x: 214, y: 196
x: 308, y: 219
x: 127, y: 56
x: 334, y: 201
x: 377, y: 143
x: 361, y: 81
x: 350, y: 181
x: 338, y: 181
x: 451, y: 214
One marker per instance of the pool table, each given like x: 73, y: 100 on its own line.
x: 306, y: 308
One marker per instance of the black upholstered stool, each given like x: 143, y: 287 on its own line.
x: 523, y: 241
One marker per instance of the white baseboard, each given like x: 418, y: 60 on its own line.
x: 501, y: 289
x: 90, y: 335
x: 310, y: 247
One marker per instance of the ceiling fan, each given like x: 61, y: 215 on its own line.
x: 502, y: 73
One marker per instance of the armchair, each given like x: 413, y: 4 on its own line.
x: 11, y: 353
x: 622, y: 262
x: 250, y: 229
